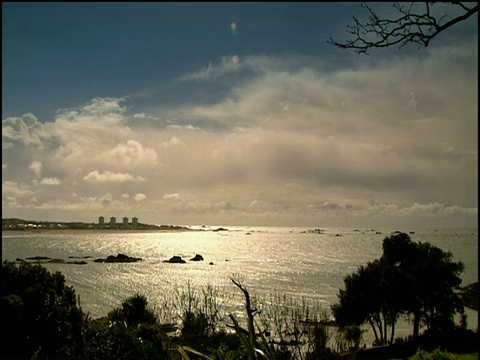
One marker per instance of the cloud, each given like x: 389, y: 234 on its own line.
x: 130, y: 154
x: 15, y: 189
x: 107, y: 176
x: 196, y: 207
x: 140, y: 197
x: 107, y: 110
x: 79, y: 203
x: 250, y: 67
x: 184, y: 127
x: 228, y: 64
x: 283, y: 141
x: 26, y: 130
x: 172, y: 142
x: 50, y: 181
x: 36, y: 167
x: 435, y: 208
x: 82, y: 133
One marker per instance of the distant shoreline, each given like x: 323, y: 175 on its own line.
x: 90, y: 231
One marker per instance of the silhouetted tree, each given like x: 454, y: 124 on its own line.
x: 371, y: 296
x: 416, y: 279
x: 431, y: 278
x: 409, y: 27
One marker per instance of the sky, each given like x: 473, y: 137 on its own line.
x: 234, y: 114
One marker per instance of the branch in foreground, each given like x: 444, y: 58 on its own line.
x: 409, y: 27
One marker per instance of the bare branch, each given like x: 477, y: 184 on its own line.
x: 408, y: 27
x: 250, y: 312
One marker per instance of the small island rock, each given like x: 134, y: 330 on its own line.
x: 40, y: 258
x: 175, y: 260
x: 197, y: 257
x: 118, y: 258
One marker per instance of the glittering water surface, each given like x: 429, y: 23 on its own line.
x: 268, y: 261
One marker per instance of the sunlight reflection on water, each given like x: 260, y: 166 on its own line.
x: 266, y: 261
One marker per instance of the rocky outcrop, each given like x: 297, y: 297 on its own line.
x: 120, y: 258
x: 47, y: 260
x: 197, y: 257
x: 77, y: 262
x: 175, y: 260
x: 41, y: 260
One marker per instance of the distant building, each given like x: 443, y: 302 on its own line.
x: 134, y: 222
x: 125, y: 221
x: 113, y: 221
x: 101, y: 221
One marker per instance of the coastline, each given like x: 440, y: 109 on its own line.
x: 89, y: 231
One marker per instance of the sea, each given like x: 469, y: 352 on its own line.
x: 304, y: 265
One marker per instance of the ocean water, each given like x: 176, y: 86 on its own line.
x: 267, y: 261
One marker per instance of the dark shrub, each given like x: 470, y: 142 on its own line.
x: 39, y: 314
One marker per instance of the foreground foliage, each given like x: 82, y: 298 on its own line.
x: 436, y: 354
x: 39, y: 314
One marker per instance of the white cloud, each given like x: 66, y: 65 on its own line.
x: 26, y: 130
x: 143, y: 116
x: 140, y: 197
x: 171, y: 196
x: 140, y: 115
x: 174, y: 141
x: 130, y: 154
x: 107, y: 176
x: 50, y: 181
x: 184, y: 127
x: 106, y: 110
x: 82, y: 134
x: 36, y: 167
x: 227, y: 65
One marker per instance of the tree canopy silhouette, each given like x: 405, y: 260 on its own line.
x: 418, y: 280
x: 415, y: 23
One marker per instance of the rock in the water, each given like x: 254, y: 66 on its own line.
x: 175, y: 260
x: 40, y: 258
x: 118, y: 258
x: 197, y: 258
x: 56, y: 261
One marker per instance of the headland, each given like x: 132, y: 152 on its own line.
x: 14, y: 225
